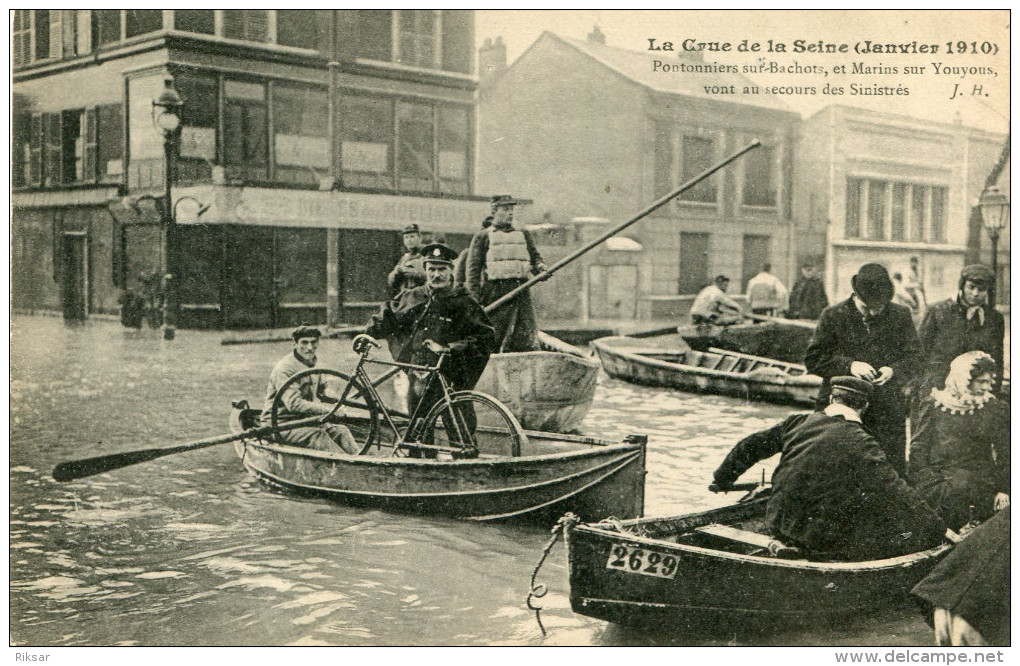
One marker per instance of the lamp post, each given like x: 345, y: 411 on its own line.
x: 166, y: 116
x: 995, y: 216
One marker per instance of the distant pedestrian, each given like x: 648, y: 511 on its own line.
x: 808, y: 298
x: 905, y: 298
x: 502, y: 258
x: 967, y: 322
x: 713, y: 306
x: 766, y: 294
x: 870, y: 338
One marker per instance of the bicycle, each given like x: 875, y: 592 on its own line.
x: 452, y: 425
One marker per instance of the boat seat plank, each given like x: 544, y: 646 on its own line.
x: 728, y: 363
x: 737, y: 535
x: 760, y: 359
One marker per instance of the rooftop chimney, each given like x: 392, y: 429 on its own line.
x: 491, y: 59
x: 596, y: 35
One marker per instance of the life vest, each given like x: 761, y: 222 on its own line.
x: 507, y: 257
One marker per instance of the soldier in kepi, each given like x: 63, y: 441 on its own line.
x: 409, y: 271
x: 502, y: 258
x: 305, y: 398
x: 439, y: 316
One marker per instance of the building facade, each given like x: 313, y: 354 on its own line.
x: 590, y: 131
x: 885, y: 188
x: 309, y: 138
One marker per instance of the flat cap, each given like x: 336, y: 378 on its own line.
x: 437, y: 253
x: 504, y: 200
x: 306, y: 331
x: 412, y: 229
x: 854, y: 385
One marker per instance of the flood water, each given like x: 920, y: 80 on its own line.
x: 190, y: 550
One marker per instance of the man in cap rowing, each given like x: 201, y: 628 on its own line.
x: 871, y: 338
x: 834, y: 494
x: 305, y: 398
x: 438, y: 316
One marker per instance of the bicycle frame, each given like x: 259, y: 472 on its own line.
x: 407, y: 438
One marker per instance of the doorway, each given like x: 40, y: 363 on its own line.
x: 757, y: 253
x: 693, y: 262
x: 74, y: 285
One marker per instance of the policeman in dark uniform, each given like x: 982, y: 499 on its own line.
x: 437, y: 316
x: 834, y: 493
x: 409, y: 271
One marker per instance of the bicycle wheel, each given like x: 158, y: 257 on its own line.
x: 360, y: 408
x: 475, y: 422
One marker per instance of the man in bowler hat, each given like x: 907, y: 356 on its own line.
x: 870, y: 338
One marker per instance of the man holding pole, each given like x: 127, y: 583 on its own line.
x: 500, y: 260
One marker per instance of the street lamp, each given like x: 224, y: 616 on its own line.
x: 995, y: 216
x: 166, y: 117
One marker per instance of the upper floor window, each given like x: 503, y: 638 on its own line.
x: 248, y: 24
x: 697, y: 154
x: 884, y: 210
x: 107, y: 26
x: 201, y: 21
x: 301, y: 133
x: 66, y: 147
x: 142, y: 21
x: 417, y: 43
x: 760, y: 177
x: 21, y: 36
x: 680, y: 155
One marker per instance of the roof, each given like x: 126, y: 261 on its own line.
x: 637, y: 66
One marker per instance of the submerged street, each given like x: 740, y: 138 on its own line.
x: 190, y: 550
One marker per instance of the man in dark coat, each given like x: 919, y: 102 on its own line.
x: 808, y: 298
x: 958, y: 325
x: 502, y: 258
x: 968, y: 592
x: 834, y: 494
x: 437, y: 316
x: 872, y: 339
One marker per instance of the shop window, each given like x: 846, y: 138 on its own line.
x: 418, y: 32
x: 301, y: 133
x: 199, y: 122
x: 698, y: 154
x: 414, y: 146
x: 107, y: 25
x: 366, y: 140
x: 201, y: 21
x: 759, y: 177
x: 454, y: 143
x: 142, y: 21
x: 248, y: 24
x: 245, y: 131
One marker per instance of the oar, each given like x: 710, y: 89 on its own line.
x: 649, y: 209
x: 781, y: 320
x: 78, y: 469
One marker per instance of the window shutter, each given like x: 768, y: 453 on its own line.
x: 90, y: 132
x: 53, y: 168
x: 69, y: 38
x: 257, y: 25
x: 22, y: 37
x: 36, y: 141
x: 117, y: 263
x: 56, y: 33
x: 458, y: 40
x: 83, y: 28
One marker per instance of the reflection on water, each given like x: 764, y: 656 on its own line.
x: 190, y: 550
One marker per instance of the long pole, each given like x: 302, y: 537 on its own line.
x: 169, y: 240
x: 649, y: 209
x: 995, y: 269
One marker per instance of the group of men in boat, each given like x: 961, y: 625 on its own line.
x: 838, y: 491
x: 431, y: 312
x: 766, y: 296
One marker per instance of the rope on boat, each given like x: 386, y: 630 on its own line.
x: 539, y: 590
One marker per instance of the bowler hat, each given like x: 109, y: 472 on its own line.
x: 504, y: 200
x: 854, y: 385
x: 306, y: 331
x: 872, y: 285
x: 978, y: 274
x: 412, y: 229
x: 437, y: 253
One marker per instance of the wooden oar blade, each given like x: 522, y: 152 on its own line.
x: 79, y: 469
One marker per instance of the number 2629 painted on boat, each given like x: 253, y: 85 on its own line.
x: 641, y: 561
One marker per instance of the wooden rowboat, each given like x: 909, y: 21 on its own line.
x: 551, y: 389
x: 712, y: 569
x: 779, y: 339
x: 668, y: 362
x: 554, y: 473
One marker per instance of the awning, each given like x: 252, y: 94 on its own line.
x: 91, y: 196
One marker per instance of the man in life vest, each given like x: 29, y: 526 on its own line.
x: 502, y: 258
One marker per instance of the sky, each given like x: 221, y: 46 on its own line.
x: 930, y: 93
